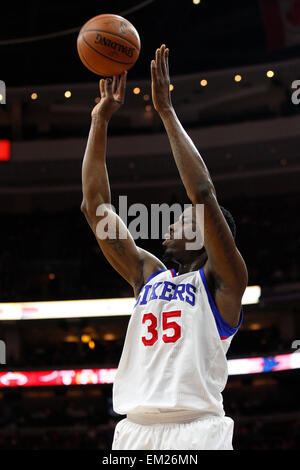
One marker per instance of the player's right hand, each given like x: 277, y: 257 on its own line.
x: 161, y: 80
x: 112, y: 95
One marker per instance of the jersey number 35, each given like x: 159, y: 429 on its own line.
x: 166, y: 325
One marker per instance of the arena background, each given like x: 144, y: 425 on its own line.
x: 233, y: 66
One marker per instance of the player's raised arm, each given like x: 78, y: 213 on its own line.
x: 115, y: 241
x: 225, y: 266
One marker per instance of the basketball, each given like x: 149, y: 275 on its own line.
x: 108, y: 45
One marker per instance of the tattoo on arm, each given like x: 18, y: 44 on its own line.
x: 117, y: 245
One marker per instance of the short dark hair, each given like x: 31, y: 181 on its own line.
x: 230, y: 220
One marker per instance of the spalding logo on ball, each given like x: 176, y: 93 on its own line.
x: 108, y: 45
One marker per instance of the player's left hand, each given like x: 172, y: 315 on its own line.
x: 112, y: 92
x: 161, y: 80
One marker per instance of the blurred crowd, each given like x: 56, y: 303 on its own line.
x: 104, y: 354
x: 70, y: 439
x: 84, y: 418
x: 270, y: 435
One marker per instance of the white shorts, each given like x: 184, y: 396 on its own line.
x: 209, y: 433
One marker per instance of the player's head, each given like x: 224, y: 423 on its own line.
x: 178, y: 238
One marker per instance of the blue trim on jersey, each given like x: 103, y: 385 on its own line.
x: 225, y: 330
x: 155, y: 274
x: 174, y: 272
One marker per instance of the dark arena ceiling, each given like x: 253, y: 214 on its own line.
x: 212, y: 35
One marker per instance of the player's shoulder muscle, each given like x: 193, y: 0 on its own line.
x: 151, y: 264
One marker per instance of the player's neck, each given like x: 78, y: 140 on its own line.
x: 193, y: 265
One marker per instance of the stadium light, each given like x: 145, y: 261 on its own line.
x: 4, y: 150
x: 251, y: 295
x: 85, y: 338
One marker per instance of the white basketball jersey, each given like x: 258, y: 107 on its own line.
x: 174, y: 355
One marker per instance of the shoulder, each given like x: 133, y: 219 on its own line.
x: 151, y: 266
x: 227, y: 301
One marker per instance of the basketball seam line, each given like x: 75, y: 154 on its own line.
x: 109, y: 32
x: 107, y: 57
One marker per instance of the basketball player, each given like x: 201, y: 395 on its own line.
x: 173, y: 366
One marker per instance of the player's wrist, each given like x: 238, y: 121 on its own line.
x: 166, y: 112
x: 99, y: 119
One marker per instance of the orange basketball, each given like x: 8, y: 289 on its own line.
x: 108, y: 45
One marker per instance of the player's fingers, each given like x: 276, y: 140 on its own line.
x: 162, y: 56
x: 123, y: 79
x: 167, y: 61
x: 164, y: 61
x: 122, y: 85
x: 108, y: 87
x: 158, y: 61
x: 115, y: 84
x: 102, y: 89
x: 153, y: 71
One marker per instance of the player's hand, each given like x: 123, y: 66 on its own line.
x: 112, y: 95
x: 161, y: 80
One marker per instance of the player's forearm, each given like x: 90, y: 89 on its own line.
x: 95, y: 183
x: 192, y: 169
